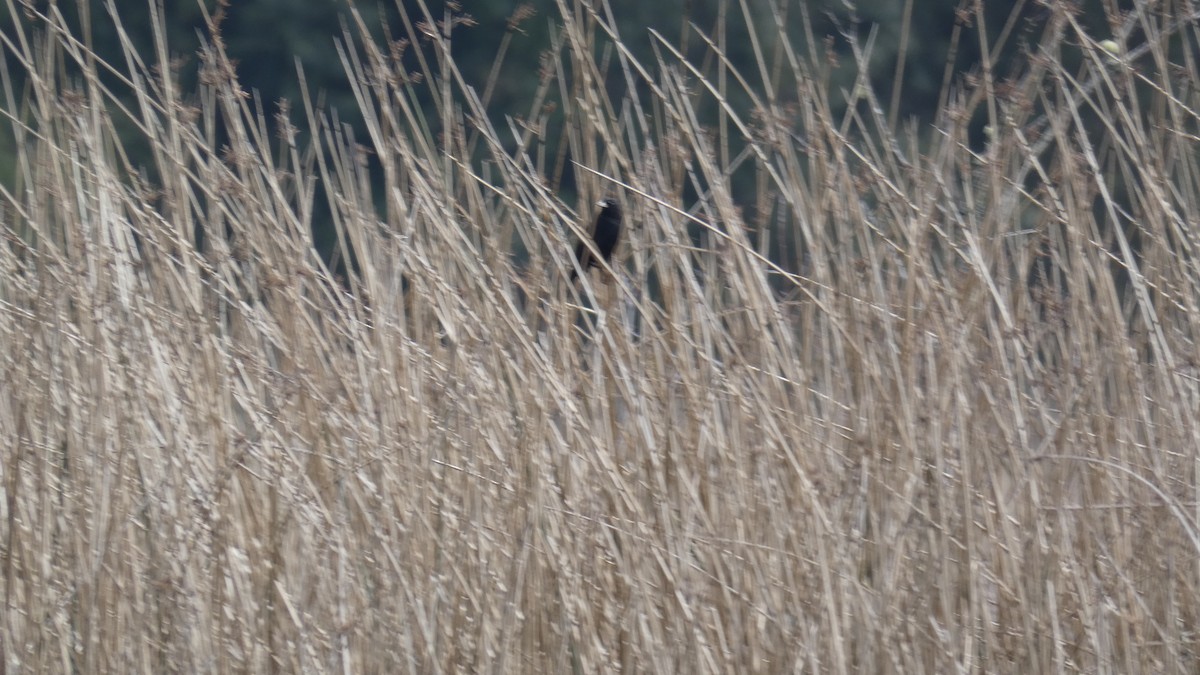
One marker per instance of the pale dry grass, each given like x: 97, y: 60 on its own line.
x: 962, y: 437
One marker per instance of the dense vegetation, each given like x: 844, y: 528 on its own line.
x: 859, y: 392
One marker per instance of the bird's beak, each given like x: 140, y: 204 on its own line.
x: 602, y: 203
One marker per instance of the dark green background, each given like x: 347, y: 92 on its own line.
x: 267, y: 37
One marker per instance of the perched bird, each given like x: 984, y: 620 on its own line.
x: 605, y: 233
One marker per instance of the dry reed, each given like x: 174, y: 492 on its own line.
x: 909, y: 406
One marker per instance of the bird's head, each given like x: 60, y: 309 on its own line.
x: 609, y: 203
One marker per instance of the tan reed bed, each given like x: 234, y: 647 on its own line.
x: 911, y: 404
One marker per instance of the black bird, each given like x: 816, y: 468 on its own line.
x: 605, y: 233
